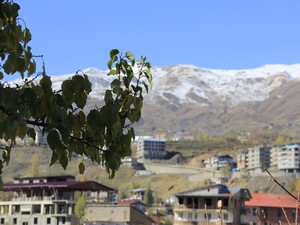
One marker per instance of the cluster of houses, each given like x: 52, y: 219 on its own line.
x: 52, y: 200
x: 282, y: 159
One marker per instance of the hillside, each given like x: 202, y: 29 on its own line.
x: 163, y: 184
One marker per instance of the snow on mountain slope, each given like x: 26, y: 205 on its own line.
x: 191, y: 84
x: 232, y: 86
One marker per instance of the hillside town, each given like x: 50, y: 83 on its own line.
x: 53, y: 199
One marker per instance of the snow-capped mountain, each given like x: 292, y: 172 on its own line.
x: 192, y: 98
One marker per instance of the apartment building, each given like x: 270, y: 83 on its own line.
x: 48, y: 199
x: 252, y: 158
x: 286, y: 158
x: 210, y: 205
x: 151, y: 148
x: 241, y: 159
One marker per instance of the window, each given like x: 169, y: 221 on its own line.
x: 265, y: 212
x: 2, y: 221
x: 207, y: 201
x: 48, y: 220
x: 35, y: 221
x: 253, y: 211
x: 190, y: 216
x: 279, y: 213
x: 225, y: 216
x: 196, y: 216
x: 180, y: 215
x: 293, y: 213
x: 208, y: 216
x: 14, y: 220
x: 225, y: 202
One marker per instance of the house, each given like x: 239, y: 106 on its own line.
x: 137, y: 194
x: 268, y: 209
x: 218, y: 162
x: 48, y: 199
x: 107, y: 214
x: 210, y: 204
x: 135, y: 203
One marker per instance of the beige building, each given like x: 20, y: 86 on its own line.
x: 48, y: 200
x: 106, y: 214
x: 210, y: 205
x: 286, y: 158
x: 256, y: 157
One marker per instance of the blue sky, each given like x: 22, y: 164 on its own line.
x: 217, y: 34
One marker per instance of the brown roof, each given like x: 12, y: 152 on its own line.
x: 271, y: 200
x: 70, y: 185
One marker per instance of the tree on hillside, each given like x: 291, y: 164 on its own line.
x: 103, y: 134
x: 149, y: 196
x: 80, y: 208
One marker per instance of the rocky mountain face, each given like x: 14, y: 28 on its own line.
x: 186, y: 97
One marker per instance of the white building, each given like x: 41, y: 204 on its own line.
x: 286, y: 158
x: 151, y: 148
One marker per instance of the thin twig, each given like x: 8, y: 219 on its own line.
x: 206, y: 214
x: 284, y: 212
x: 265, y: 169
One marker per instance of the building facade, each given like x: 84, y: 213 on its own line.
x: 151, y: 149
x: 270, y: 209
x: 286, y: 158
x: 218, y: 162
x: 210, y: 205
x: 257, y: 157
x: 115, y: 214
x: 47, y: 200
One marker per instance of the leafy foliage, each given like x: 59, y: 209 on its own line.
x: 103, y: 134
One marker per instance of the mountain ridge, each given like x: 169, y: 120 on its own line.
x: 190, y: 98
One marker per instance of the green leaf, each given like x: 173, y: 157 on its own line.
x: 53, y: 139
x: 87, y: 84
x: 9, y: 65
x: 113, y: 53
x: 113, y: 72
x: 21, y: 130
x: 31, y: 133
x: 108, y: 97
x: 81, y: 167
x: 80, y: 99
x: 77, y: 83
x: 131, y: 58
x: 67, y: 91
x: 54, y: 158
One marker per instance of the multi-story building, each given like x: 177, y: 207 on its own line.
x: 219, y: 161
x: 257, y: 157
x: 48, y: 200
x: 241, y: 159
x: 286, y: 158
x: 151, y: 148
x: 270, y: 209
x: 210, y: 205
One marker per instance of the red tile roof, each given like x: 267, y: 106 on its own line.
x: 271, y: 200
